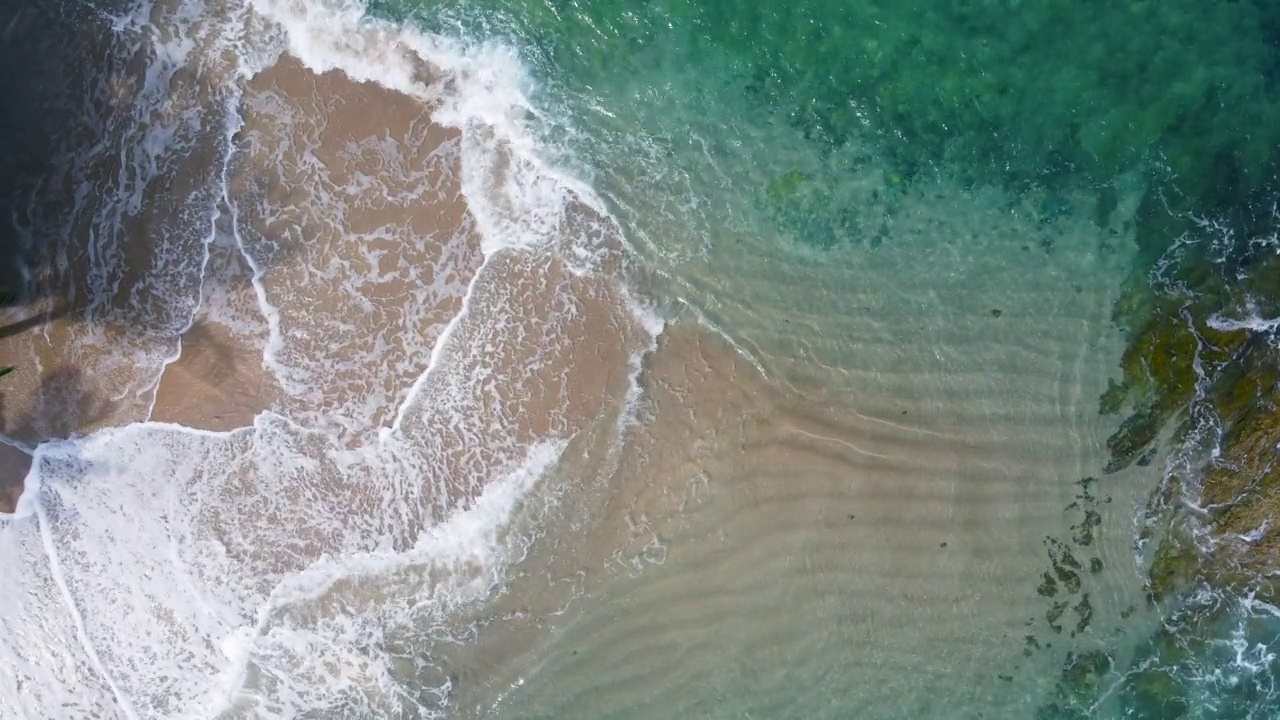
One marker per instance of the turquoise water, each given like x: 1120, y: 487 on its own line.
x: 1047, y: 95
x: 732, y: 136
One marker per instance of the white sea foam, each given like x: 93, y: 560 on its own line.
x: 466, y: 555
x: 518, y: 200
x: 654, y: 325
x: 1253, y: 322
x: 186, y: 610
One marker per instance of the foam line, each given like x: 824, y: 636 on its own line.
x: 436, y: 351
x: 55, y: 568
x: 845, y: 443
x: 232, y: 126
x: 1252, y: 323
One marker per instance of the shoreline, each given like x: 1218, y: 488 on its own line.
x: 716, y: 521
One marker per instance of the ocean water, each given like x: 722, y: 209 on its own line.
x: 604, y: 360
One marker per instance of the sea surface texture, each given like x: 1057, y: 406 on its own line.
x: 557, y: 359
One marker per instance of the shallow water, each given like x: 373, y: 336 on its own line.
x: 563, y: 360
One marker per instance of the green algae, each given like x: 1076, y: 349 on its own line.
x: 1066, y: 567
x: 1083, y: 532
x: 1067, y: 574
x: 786, y: 187
x: 1079, y: 683
x: 1175, y: 565
x: 1155, y: 695
x: 1113, y: 398
x: 1048, y: 586
x: 1053, y: 616
x: 1180, y: 361
x: 1216, y: 385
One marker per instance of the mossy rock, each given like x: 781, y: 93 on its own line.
x: 1057, y: 711
x: 785, y: 187
x: 1082, y: 673
x: 1078, y: 686
x: 1135, y: 435
x: 1174, y: 566
x: 1242, y: 484
x: 1154, y: 695
x: 1159, y: 370
x: 1113, y: 399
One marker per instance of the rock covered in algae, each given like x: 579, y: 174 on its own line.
x: 1190, y: 367
x: 1154, y: 695
x: 1078, y: 685
x: 1204, y: 364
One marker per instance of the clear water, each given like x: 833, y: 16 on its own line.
x: 759, y: 377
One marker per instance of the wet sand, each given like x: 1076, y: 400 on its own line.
x: 79, y: 371
x: 15, y: 464
x: 350, y: 446
x: 750, y: 551
x: 216, y: 384
x: 348, y: 195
